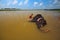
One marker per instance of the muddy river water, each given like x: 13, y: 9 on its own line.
x: 14, y: 25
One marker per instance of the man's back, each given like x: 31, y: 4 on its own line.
x: 36, y: 17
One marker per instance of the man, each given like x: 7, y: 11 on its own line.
x: 39, y: 20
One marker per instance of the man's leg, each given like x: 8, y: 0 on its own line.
x: 44, y: 23
x: 38, y: 25
x: 32, y: 20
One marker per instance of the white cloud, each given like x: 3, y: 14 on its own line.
x: 21, y: 3
x: 38, y: 4
x: 8, y: 3
x: 55, y: 1
x: 41, y: 4
x: 26, y: 1
x: 35, y: 3
x: 15, y: 2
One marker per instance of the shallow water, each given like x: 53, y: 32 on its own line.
x: 14, y: 25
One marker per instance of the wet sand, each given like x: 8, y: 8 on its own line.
x: 14, y: 25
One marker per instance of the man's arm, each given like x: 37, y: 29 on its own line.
x: 39, y: 19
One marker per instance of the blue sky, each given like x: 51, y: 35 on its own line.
x: 30, y: 4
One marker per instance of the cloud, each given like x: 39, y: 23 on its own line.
x: 26, y: 1
x: 15, y: 2
x: 41, y: 4
x: 55, y: 1
x: 38, y: 4
x: 21, y: 3
x: 8, y: 3
x: 2, y: 5
x: 35, y: 3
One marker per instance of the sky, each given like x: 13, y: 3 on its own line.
x: 30, y: 4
